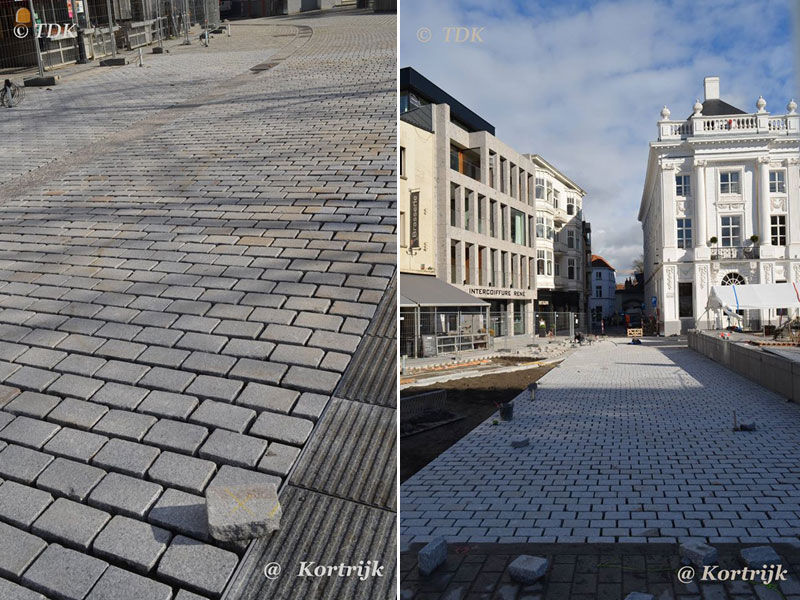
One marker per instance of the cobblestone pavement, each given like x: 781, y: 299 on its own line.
x: 627, y: 444
x: 585, y: 572
x: 184, y: 277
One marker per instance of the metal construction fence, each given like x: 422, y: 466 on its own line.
x: 431, y: 332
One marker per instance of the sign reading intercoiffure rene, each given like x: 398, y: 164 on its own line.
x: 504, y: 293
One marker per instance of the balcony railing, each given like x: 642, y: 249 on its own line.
x: 734, y: 252
x: 788, y: 124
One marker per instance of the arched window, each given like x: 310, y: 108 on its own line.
x: 733, y: 279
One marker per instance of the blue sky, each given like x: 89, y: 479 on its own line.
x: 582, y: 83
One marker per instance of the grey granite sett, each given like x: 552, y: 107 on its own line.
x: 430, y: 556
x: 18, y: 549
x: 77, y: 413
x: 187, y: 595
x: 335, y: 361
x: 22, y: 464
x: 75, y: 386
x: 183, y: 472
x: 70, y: 523
x: 122, y: 371
x: 297, y: 355
x: 312, y: 380
x: 169, y: 380
x: 7, y: 369
x: 215, y: 388
x: 249, y: 349
x: 258, y: 370
x: 242, y: 329
x: 20, y: 505
x: 75, y: 444
x: 135, y: 544
x: 9, y: 351
x: 205, y: 362
x: 221, y: 414
x: 267, y: 397
x: 119, y: 395
x: 278, y: 459
x: 29, y: 432
x: 168, y: 404
x: 310, y: 406
x: 282, y: 428
x: 120, y: 349
x: 64, y: 574
x: 31, y: 378
x: 224, y: 446
x: 180, y: 511
x: 32, y: 404
x: 65, y: 477
x: 197, y: 566
x: 330, y: 340
x: 76, y: 342
x: 126, y: 457
x: 118, y: 584
x: 176, y: 435
x: 7, y: 394
x: 202, y: 341
x: 125, y: 424
x: 229, y: 476
x: 12, y: 591
x: 41, y: 357
x: 5, y: 419
x: 159, y: 336
x: 164, y: 357
x: 125, y: 495
x: 286, y: 333
x: 80, y: 364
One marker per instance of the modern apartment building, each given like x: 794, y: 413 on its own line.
x: 503, y: 226
x: 720, y: 206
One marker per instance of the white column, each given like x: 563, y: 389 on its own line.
x: 669, y: 224
x: 763, y: 201
x: 699, y: 194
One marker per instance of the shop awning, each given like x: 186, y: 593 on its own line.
x: 755, y: 296
x: 426, y: 290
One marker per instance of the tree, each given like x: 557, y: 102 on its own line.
x: 638, y: 264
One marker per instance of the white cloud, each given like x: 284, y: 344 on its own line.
x: 583, y: 85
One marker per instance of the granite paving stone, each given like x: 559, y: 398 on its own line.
x: 312, y: 380
x: 64, y: 573
x: 12, y: 591
x: 122, y: 371
x: 80, y: 364
x: 28, y: 432
x: 227, y: 447
x: 220, y: 414
x: 7, y: 394
x: 197, y: 566
x: 22, y: 464
x: 182, y: 512
x: 267, y: 397
x: 77, y: 413
x: 125, y: 424
x: 182, y: 472
x: 32, y: 404
x: 168, y: 405
x: 258, y: 370
x: 116, y: 584
x: 278, y: 459
x: 282, y: 428
x: 75, y: 386
x: 176, y: 435
x: 131, y: 542
x: 20, y: 505
x: 31, y: 378
x: 18, y: 549
x: 118, y: 395
x: 75, y: 444
x: 126, y: 457
x: 168, y: 380
x: 70, y: 523
x: 215, y: 388
x: 229, y: 476
x: 64, y: 477
x: 126, y: 495
x: 310, y: 406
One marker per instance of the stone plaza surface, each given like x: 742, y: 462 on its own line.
x: 190, y: 253
x: 627, y: 444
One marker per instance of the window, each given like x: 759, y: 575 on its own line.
x: 492, y: 224
x: 682, y: 185
x: 731, y: 231
x: 549, y: 255
x: 539, y: 225
x: 467, y: 197
x: 729, y: 182
x: 517, y: 227
x: 570, y: 205
x: 684, y: 233
x: 570, y: 268
x: 540, y: 188
x: 733, y: 279
x: 778, y: 229
x: 453, y: 262
x: 402, y: 161
x: 549, y: 192
x: 570, y: 238
x: 556, y: 196
x: 685, y: 300
x: 481, y: 216
x: 777, y: 182
x: 453, y: 211
x: 598, y: 291
x: 402, y: 230
x: 558, y: 269
x: 502, y: 222
x: 540, y: 262
x: 598, y: 275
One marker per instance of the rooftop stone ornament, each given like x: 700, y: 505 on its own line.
x: 698, y: 108
x: 791, y: 107
x: 665, y: 113
x: 760, y: 104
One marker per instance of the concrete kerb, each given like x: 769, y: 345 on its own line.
x: 479, y: 373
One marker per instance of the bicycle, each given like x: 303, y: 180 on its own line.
x: 13, y: 97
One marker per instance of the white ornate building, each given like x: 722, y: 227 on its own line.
x: 721, y: 205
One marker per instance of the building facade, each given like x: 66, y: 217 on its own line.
x: 503, y: 226
x: 602, y: 290
x: 721, y: 205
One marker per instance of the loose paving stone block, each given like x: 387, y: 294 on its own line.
x: 32, y: 404
x: 125, y: 424
x: 28, y: 432
x: 68, y: 478
x: 183, y: 472
x: 312, y: 380
x: 135, y: 544
x: 640, y: 596
x: 30, y: 378
x: 7, y: 394
x: 118, y: 395
x: 168, y: 380
x: 278, y: 459
x: 258, y: 370
x: 197, y: 566
x: 75, y: 444
x: 122, y: 372
x: 116, y: 584
x: 126, y: 457
x: 77, y: 413
x: 168, y: 404
x: 699, y: 554
x: 242, y: 513
x: 18, y: 549
x: 182, y: 512
x: 519, y: 441
x: 224, y: 446
x: 75, y: 386
x: 282, y: 428
x: 220, y: 414
x: 430, y: 556
x: 64, y: 574
x: 229, y: 476
x: 267, y: 397
x: 12, y: 591
x: 70, y: 523
x: 215, y: 388
x: 79, y: 364
x: 21, y: 505
x: 760, y: 555
x: 310, y: 406
x: 528, y: 569
x: 126, y: 495
x: 176, y: 435
x: 22, y: 464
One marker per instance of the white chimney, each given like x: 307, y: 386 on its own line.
x: 711, y: 86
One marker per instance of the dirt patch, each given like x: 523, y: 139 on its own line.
x: 474, y: 399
